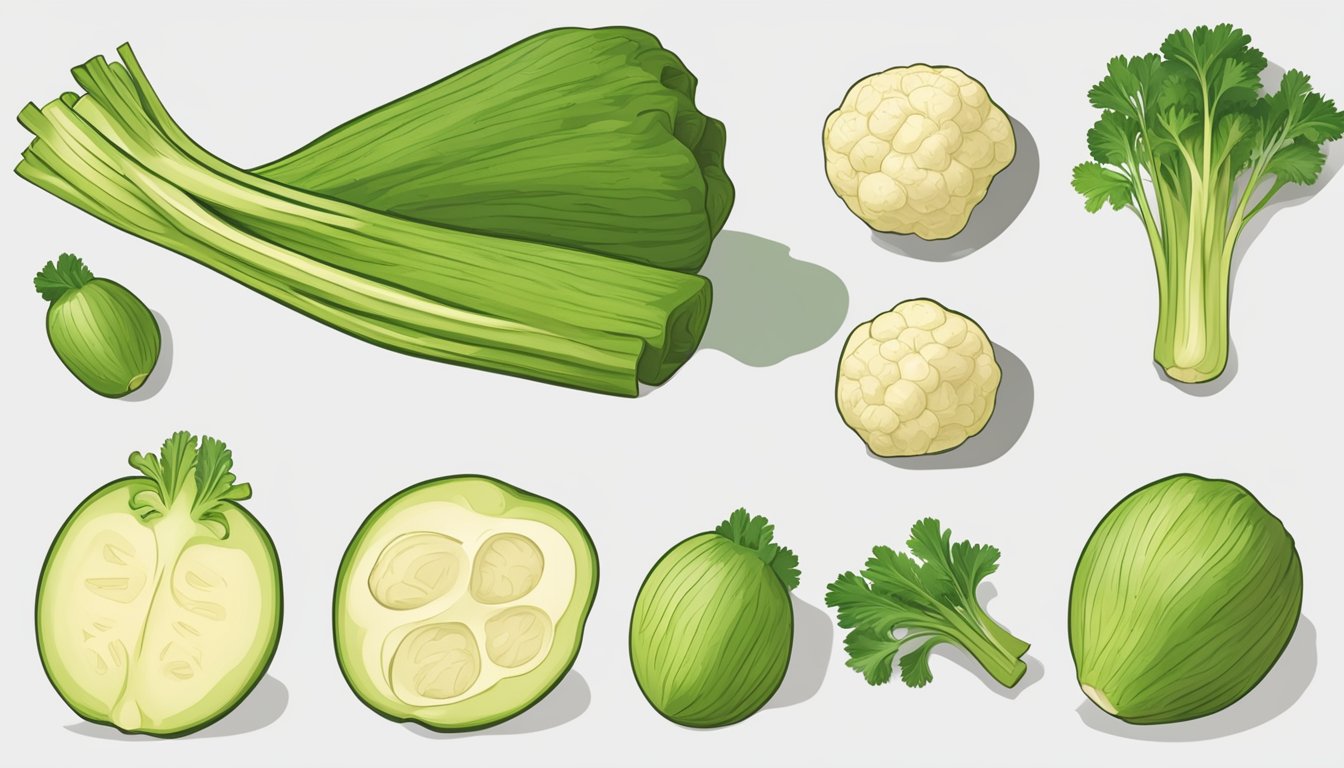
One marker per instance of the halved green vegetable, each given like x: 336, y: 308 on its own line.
x: 461, y: 602
x: 103, y: 334
x: 159, y: 604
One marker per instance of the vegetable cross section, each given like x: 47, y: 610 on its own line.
x: 461, y: 602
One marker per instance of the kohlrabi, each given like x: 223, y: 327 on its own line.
x: 1190, y: 144
x: 158, y: 608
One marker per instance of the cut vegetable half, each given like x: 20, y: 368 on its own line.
x: 461, y: 602
x: 159, y: 605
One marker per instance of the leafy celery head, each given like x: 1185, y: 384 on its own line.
x: 1190, y: 142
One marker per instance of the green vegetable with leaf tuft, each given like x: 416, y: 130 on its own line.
x: 103, y: 334
x: 928, y: 603
x: 1189, y: 143
x: 712, y: 629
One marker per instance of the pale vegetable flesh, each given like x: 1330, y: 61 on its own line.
x: 460, y: 604
x: 157, y: 627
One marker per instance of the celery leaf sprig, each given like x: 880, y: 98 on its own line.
x: 899, y: 609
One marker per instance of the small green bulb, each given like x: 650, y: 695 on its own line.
x: 103, y: 334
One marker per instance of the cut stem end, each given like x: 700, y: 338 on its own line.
x: 1100, y: 700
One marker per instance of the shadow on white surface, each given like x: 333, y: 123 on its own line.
x: 567, y: 701
x: 1007, y: 195
x: 1012, y: 410
x: 769, y: 306
x: 164, y: 366
x: 1280, y: 689
x: 263, y: 706
x: 813, y: 637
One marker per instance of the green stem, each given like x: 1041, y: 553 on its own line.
x: 1002, y: 665
x: 1192, y: 339
x: 1010, y: 643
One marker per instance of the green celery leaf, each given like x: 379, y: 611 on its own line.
x: 66, y: 274
x: 1102, y: 186
x: 216, y: 485
x: 1299, y: 112
x: 1112, y: 139
x: 1205, y: 50
x: 1129, y: 86
x: 168, y: 470
x: 860, y: 606
x: 915, y: 670
x: 897, y: 576
x: 756, y: 533
x: 1298, y: 163
x: 971, y: 564
x: 871, y: 653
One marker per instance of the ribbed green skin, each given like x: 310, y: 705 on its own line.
x: 711, y: 633
x: 1183, y: 599
x: 522, y: 308
x: 105, y: 336
x: 585, y: 138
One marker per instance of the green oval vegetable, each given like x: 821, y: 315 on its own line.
x: 712, y: 629
x: 461, y: 602
x: 1183, y: 599
x: 159, y: 604
x: 103, y: 334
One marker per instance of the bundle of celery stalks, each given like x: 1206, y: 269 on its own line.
x: 541, y: 213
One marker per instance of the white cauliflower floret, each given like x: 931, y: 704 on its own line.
x: 913, y: 149
x: 917, y: 379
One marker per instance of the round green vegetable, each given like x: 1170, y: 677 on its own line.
x: 1184, y: 597
x: 103, y: 334
x: 461, y: 602
x: 158, y: 608
x: 712, y: 629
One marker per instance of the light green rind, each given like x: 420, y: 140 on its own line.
x: 711, y: 633
x: 105, y: 336
x: 246, y: 535
x: 1184, y: 597
x: 510, y: 696
x: 584, y: 138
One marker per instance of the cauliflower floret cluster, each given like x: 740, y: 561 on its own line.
x: 913, y: 149
x: 917, y: 379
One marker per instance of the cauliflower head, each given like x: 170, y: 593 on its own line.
x: 917, y: 379
x: 913, y: 149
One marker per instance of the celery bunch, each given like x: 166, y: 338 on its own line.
x: 528, y: 309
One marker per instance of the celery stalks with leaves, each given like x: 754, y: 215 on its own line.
x: 1190, y: 145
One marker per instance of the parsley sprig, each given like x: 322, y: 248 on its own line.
x: 899, y: 609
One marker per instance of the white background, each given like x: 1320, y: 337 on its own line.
x: 326, y: 427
